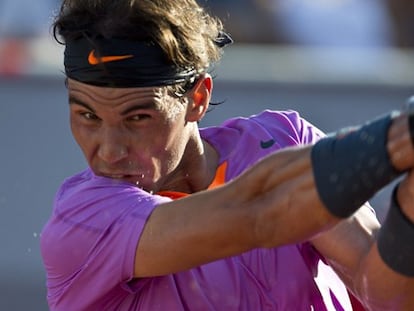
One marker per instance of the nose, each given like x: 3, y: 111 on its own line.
x: 113, y: 147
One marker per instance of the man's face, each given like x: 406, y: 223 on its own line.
x: 134, y: 134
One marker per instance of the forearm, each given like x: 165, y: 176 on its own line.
x: 290, y: 210
x: 351, y: 165
x: 381, y: 289
x: 357, y: 258
x: 348, y: 169
x: 386, y: 276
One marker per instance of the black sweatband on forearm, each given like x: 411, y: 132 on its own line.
x: 396, y: 240
x: 351, y: 165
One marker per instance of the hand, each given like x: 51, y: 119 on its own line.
x: 400, y: 144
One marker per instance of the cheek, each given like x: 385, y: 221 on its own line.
x: 77, y: 133
x: 175, y: 152
x: 176, y: 137
x: 82, y: 137
x: 168, y: 147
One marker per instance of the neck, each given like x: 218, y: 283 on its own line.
x: 197, y: 169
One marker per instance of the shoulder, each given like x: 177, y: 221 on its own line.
x: 242, y: 141
x: 88, y: 207
x: 288, y: 124
x: 286, y: 127
x: 86, y: 202
x: 96, y: 224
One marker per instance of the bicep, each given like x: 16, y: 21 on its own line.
x: 192, y: 231
x: 347, y: 244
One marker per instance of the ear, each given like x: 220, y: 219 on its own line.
x: 199, y: 98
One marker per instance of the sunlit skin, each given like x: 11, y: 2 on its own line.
x: 144, y: 136
x: 149, y: 138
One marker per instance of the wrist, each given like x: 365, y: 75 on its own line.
x: 396, y: 239
x: 404, y: 196
x: 352, y: 165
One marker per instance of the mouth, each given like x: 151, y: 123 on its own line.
x: 123, y: 177
x: 135, y: 177
x: 116, y: 176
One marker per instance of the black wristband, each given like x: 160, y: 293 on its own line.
x: 350, y: 166
x: 410, y: 105
x: 396, y: 240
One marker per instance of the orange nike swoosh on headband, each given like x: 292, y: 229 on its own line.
x: 94, y: 60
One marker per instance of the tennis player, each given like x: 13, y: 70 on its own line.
x: 258, y: 213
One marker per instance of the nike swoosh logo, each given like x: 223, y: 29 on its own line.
x: 267, y: 144
x: 94, y: 60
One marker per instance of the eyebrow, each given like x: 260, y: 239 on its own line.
x: 75, y: 101
x: 148, y: 105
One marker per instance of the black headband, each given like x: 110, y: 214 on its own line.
x: 125, y: 63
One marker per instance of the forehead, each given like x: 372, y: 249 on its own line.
x: 121, y: 99
x: 104, y: 95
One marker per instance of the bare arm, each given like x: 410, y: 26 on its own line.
x: 263, y: 208
x: 351, y: 248
x: 251, y: 211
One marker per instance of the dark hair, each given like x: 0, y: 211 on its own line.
x: 183, y: 29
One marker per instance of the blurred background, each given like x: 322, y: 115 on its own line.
x: 337, y: 62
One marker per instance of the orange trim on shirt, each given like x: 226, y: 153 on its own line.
x: 175, y: 195
x: 219, y: 179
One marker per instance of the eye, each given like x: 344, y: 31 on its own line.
x: 89, y: 115
x: 139, y: 117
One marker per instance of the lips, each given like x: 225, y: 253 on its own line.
x: 125, y: 174
x: 117, y: 176
x: 126, y: 177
